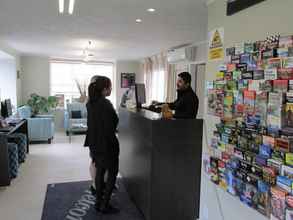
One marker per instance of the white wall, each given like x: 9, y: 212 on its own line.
x: 255, y: 23
x: 201, y: 52
x: 126, y: 67
x: 15, y: 55
x: 35, y: 76
x: 8, y: 81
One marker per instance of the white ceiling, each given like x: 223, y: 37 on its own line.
x: 36, y: 27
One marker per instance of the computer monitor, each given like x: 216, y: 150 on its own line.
x: 6, y: 108
x: 9, y: 107
x: 140, y: 95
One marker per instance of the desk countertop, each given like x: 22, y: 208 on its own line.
x: 145, y: 113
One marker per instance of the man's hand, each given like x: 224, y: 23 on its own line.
x: 154, y: 103
x: 165, y: 106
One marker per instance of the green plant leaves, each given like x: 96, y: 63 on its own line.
x: 40, y: 104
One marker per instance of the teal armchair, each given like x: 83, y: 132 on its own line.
x: 39, y: 128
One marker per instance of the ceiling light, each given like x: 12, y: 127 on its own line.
x: 138, y: 20
x: 90, y: 45
x: 61, y: 6
x: 71, y: 6
x: 87, y: 52
x: 151, y: 10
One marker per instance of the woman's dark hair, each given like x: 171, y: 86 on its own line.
x: 97, y: 87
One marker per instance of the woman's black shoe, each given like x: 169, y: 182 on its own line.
x: 93, y: 190
x: 98, y: 206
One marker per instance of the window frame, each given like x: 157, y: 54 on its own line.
x: 52, y: 61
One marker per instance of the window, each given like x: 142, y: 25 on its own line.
x: 156, y: 78
x: 65, y: 78
x: 158, y: 86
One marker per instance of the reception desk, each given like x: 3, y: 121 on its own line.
x: 160, y: 161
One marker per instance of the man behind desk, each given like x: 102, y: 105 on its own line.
x: 186, y: 105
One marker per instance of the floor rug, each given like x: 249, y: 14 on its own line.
x: 74, y: 201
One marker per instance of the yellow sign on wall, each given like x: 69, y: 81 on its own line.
x: 216, y: 44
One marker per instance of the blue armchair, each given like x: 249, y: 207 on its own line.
x: 69, y: 121
x: 39, y: 128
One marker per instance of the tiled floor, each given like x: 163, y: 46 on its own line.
x: 58, y: 162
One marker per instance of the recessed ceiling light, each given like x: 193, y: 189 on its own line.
x: 71, y: 6
x: 61, y: 6
x: 138, y: 20
x: 151, y: 10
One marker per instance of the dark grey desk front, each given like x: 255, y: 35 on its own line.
x: 4, y: 161
x: 160, y: 161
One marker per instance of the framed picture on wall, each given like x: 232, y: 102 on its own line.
x: 127, y: 80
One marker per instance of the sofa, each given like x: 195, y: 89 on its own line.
x: 40, y: 127
x: 71, y: 119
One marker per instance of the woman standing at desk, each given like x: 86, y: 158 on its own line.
x: 102, y: 140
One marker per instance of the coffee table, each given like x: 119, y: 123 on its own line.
x: 76, y: 127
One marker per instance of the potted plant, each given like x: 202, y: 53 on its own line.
x: 40, y: 104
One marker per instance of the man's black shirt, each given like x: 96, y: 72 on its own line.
x: 186, y: 105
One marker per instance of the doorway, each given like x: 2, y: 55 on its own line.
x: 198, y: 75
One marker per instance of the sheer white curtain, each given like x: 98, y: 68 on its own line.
x: 159, y: 78
x: 171, y: 85
x: 148, y: 78
x: 156, y: 77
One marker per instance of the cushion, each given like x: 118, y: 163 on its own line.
x: 13, y: 160
x: 76, y: 114
x: 21, y: 141
x: 24, y: 112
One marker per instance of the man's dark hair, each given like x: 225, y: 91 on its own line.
x: 96, y: 88
x: 186, y: 77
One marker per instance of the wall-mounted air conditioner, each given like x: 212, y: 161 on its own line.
x: 184, y: 54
